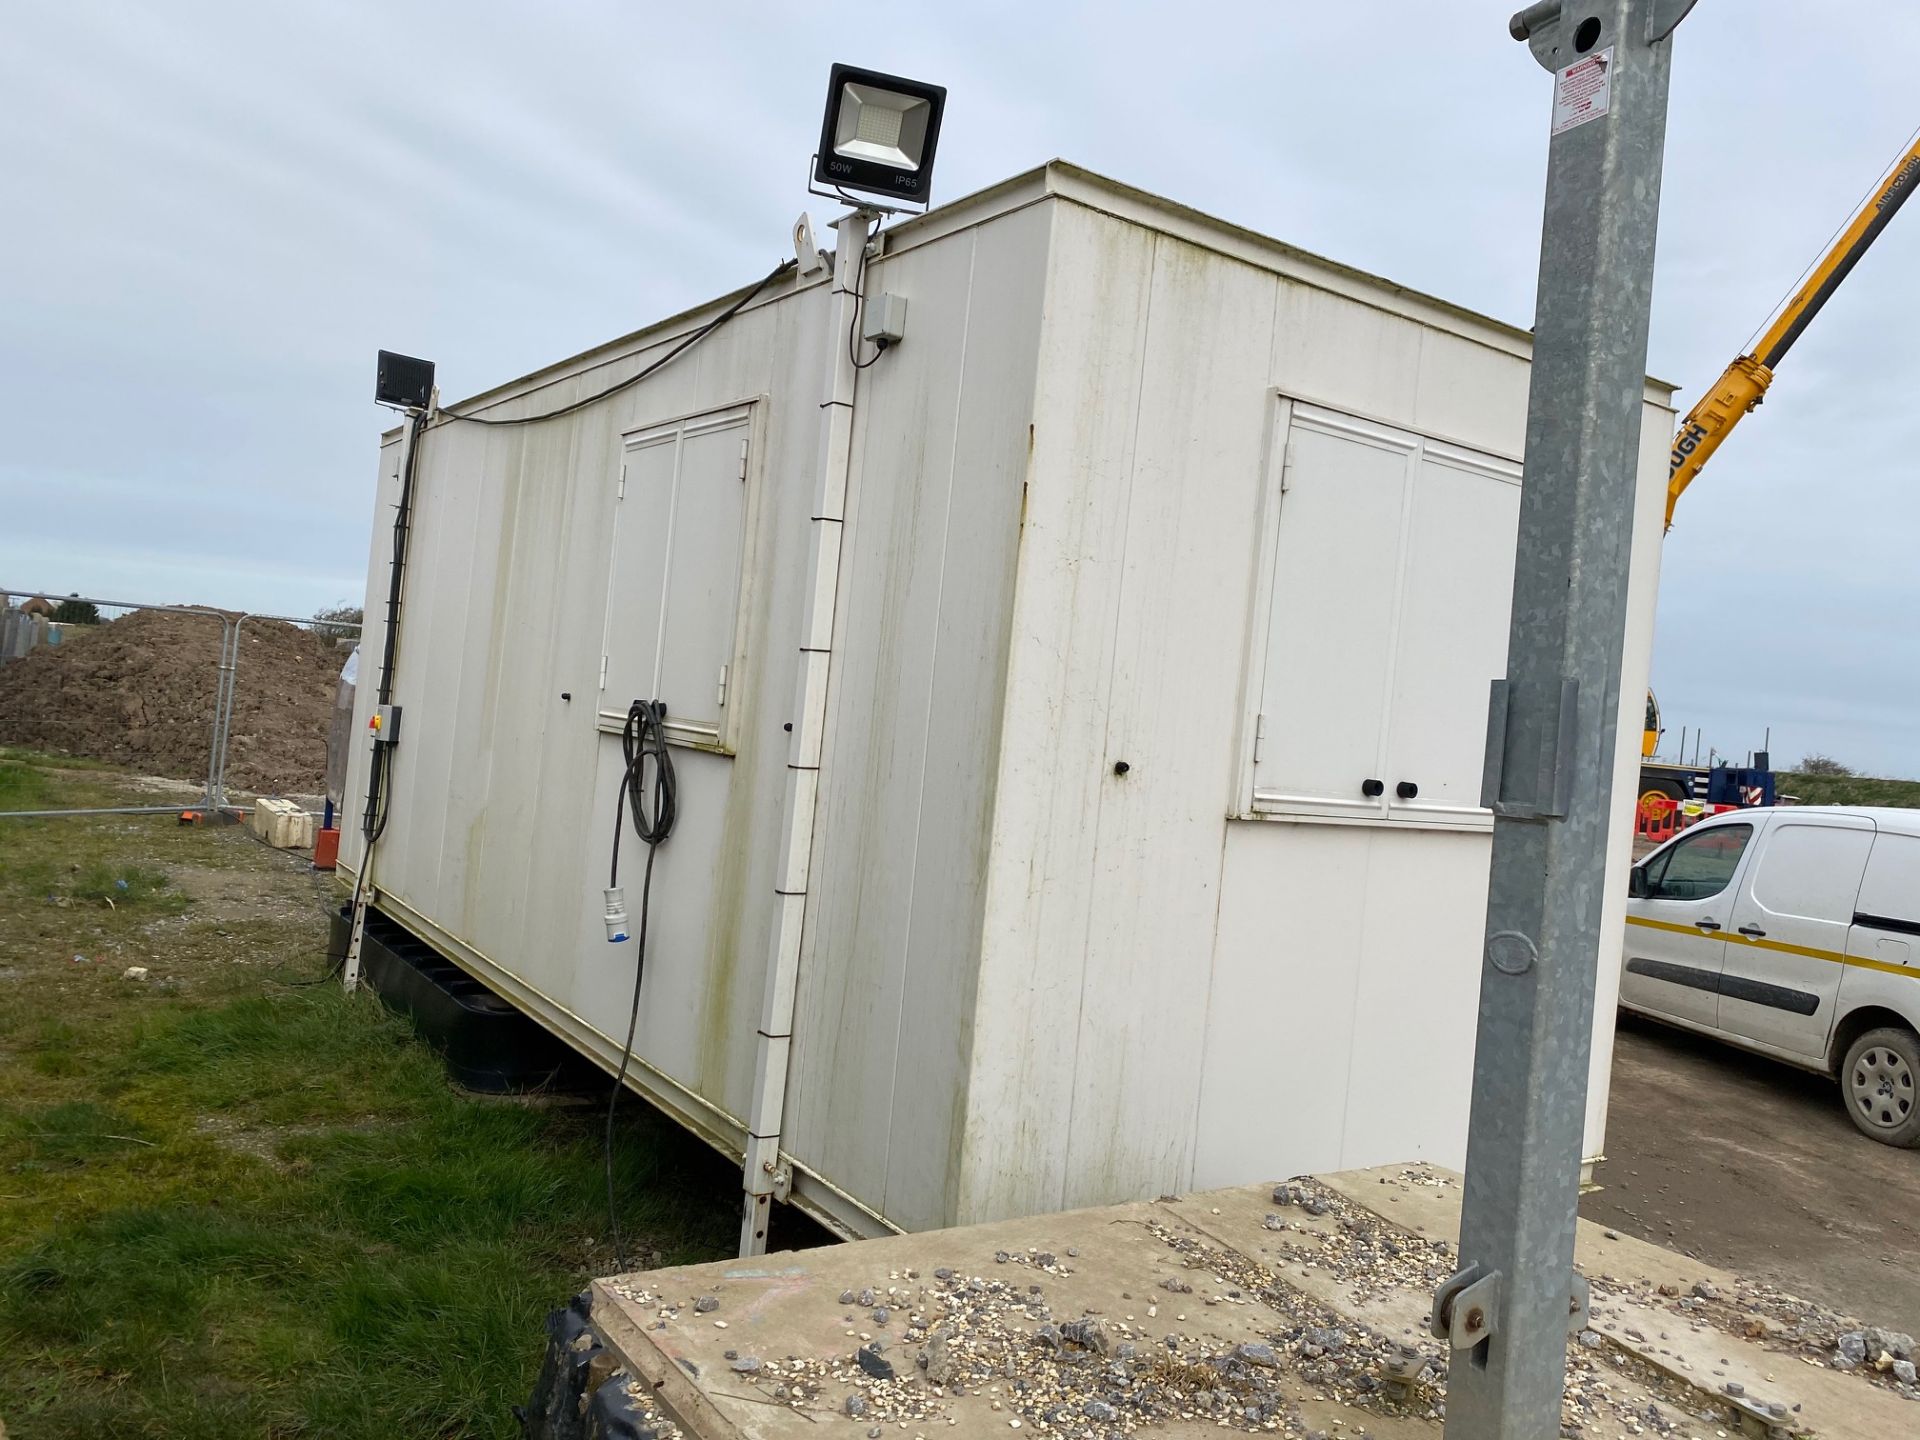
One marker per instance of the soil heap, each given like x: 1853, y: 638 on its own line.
x: 139, y: 692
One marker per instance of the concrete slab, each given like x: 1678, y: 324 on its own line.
x: 1299, y: 1310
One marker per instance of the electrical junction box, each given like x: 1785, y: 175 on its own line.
x: 385, y: 725
x: 885, y: 319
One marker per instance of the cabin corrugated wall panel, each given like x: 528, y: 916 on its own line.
x: 1049, y: 781
x: 373, y: 637
x: 987, y: 487
x: 886, y: 984
x: 556, y: 647
x: 504, y: 792
x: 536, y: 508
x: 1198, y: 462
x: 1643, y: 587
x: 1106, y: 890
x: 1350, y: 356
x: 483, y: 459
x: 1281, y: 1030
x: 713, y: 880
x: 428, y: 665
x: 434, y: 636
x: 1470, y: 392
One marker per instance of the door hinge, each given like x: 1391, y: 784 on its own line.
x: 1259, y: 736
x: 743, y: 460
x: 603, y: 672
x: 1286, y: 468
x: 722, y: 698
x: 621, y: 493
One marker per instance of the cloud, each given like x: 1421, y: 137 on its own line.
x: 216, y: 213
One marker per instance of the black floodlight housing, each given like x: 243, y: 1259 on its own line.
x: 403, y: 382
x: 879, y: 133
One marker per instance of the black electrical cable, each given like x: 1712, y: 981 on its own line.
x: 859, y: 309
x: 654, y: 806
x: 373, y: 821
x: 643, y: 738
x: 634, y: 379
x: 336, y: 960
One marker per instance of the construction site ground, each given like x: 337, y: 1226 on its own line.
x: 236, y: 1202
x: 1749, y: 1163
x: 1297, y: 1311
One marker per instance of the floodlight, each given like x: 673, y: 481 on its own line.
x: 403, y: 382
x: 878, y: 134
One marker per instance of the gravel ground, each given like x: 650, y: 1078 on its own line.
x: 1753, y: 1166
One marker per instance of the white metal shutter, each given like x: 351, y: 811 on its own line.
x: 1329, y: 635
x: 673, y: 597
x: 1456, y: 598
x: 1391, y: 580
x: 641, y: 522
x: 703, y: 575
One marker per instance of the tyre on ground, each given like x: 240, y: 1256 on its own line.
x: 1880, y: 1085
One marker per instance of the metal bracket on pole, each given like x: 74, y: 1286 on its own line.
x: 1539, y: 790
x: 1466, y: 1309
x: 781, y: 1177
x: 1539, y: 24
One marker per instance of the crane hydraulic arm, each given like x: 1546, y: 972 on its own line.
x: 1744, y: 384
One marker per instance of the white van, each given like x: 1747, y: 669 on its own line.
x: 1794, y: 932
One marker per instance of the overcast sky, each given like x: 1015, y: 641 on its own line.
x: 212, y: 215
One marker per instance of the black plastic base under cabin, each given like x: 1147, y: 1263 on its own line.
x: 489, y: 1045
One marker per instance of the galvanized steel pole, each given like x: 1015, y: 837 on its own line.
x: 1552, y: 724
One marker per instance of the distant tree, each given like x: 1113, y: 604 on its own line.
x: 1823, y: 765
x: 76, y: 612
x: 338, y: 622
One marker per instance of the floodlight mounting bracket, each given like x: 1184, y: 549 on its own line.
x: 834, y: 192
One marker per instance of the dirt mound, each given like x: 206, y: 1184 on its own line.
x: 139, y: 691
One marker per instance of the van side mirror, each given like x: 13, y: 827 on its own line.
x: 1637, y: 883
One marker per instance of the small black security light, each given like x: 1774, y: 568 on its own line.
x: 878, y: 135
x: 403, y: 382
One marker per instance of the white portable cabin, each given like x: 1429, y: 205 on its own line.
x: 1163, y: 547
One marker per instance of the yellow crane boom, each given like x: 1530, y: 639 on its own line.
x: 1744, y: 383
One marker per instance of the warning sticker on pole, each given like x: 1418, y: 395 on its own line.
x: 1583, y: 91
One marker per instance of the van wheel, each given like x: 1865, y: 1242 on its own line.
x: 1880, y: 1082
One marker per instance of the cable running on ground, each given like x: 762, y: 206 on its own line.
x: 654, y: 805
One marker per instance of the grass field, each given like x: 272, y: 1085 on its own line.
x: 234, y: 1202
x: 1849, y: 790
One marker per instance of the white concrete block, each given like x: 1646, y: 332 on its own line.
x: 283, y: 824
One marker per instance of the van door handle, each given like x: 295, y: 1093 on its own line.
x: 1708, y: 924
x: 1754, y: 930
